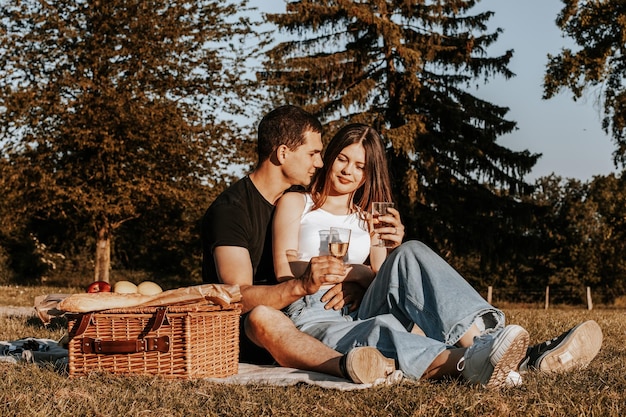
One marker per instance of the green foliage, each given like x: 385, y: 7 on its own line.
x: 609, y: 196
x: 6, y: 273
x: 579, y: 239
x: 567, y: 236
x: 109, y: 112
x: 406, y: 68
x: 599, y: 29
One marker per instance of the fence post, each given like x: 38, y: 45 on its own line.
x: 489, y: 294
x: 589, y: 301
x: 547, y: 296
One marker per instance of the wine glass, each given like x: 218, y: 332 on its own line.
x: 324, y: 235
x: 379, y: 208
x: 338, y: 242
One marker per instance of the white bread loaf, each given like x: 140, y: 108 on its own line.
x: 217, y: 294
x: 82, y: 303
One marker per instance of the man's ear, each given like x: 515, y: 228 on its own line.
x: 281, y: 153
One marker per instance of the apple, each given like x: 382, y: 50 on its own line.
x: 99, y: 286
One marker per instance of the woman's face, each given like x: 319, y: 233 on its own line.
x: 348, y: 171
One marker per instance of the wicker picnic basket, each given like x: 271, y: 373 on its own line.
x: 185, y: 341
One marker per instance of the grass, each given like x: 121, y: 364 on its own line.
x: 23, y: 296
x: 30, y: 390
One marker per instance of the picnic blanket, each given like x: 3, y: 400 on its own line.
x: 278, y: 375
x: 46, y: 351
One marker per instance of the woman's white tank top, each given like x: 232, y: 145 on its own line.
x: 314, y: 242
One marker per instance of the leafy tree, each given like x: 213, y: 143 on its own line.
x: 407, y: 68
x: 570, y: 244
x: 580, y: 239
x: 608, y: 194
x: 109, y: 110
x: 599, y: 29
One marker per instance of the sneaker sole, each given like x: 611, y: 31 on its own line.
x: 577, y: 350
x: 366, y: 364
x: 507, y: 357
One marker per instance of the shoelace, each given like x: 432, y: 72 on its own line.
x: 460, y: 365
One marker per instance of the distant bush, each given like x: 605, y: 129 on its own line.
x: 6, y: 273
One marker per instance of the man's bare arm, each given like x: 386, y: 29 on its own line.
x: 234, y: 268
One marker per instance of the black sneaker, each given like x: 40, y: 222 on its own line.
x: 574, y: 348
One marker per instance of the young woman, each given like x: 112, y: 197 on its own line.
x: 387, y: 293
x: 341, y: 196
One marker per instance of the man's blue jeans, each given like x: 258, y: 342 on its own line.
x: 413, y: 286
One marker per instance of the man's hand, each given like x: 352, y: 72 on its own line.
x: 323, y: 270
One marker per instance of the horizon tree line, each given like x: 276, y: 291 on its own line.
x: 117, y: 128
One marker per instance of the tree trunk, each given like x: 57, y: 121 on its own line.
x: 103, y: 255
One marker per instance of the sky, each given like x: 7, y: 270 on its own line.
x: 567, y: 133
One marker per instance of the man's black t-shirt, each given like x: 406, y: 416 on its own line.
x: 242, y: 217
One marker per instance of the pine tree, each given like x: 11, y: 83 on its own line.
x: 408, y: 68
x: 109, y: 109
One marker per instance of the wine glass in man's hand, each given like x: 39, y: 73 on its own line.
x: 338, y: 242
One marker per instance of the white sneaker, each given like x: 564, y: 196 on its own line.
x: 494, y: 355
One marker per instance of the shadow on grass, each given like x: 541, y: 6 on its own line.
x: 57, y: 323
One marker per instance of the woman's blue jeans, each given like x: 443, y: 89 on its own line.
x: 413, y: 286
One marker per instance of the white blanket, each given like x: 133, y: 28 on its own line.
x: 277, y: 375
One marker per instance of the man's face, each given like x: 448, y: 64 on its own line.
x: 302, y: 163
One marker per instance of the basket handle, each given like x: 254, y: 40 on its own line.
x: 81, y: 326
x: 148, y: 344
x: 141, y: 344
x: 85, y: 320
x: 159, y: 318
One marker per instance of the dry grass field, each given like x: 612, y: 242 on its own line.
x: 599, y: 390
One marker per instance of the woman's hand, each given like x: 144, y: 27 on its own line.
x: 393, y: 231
x: 342, y: 294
